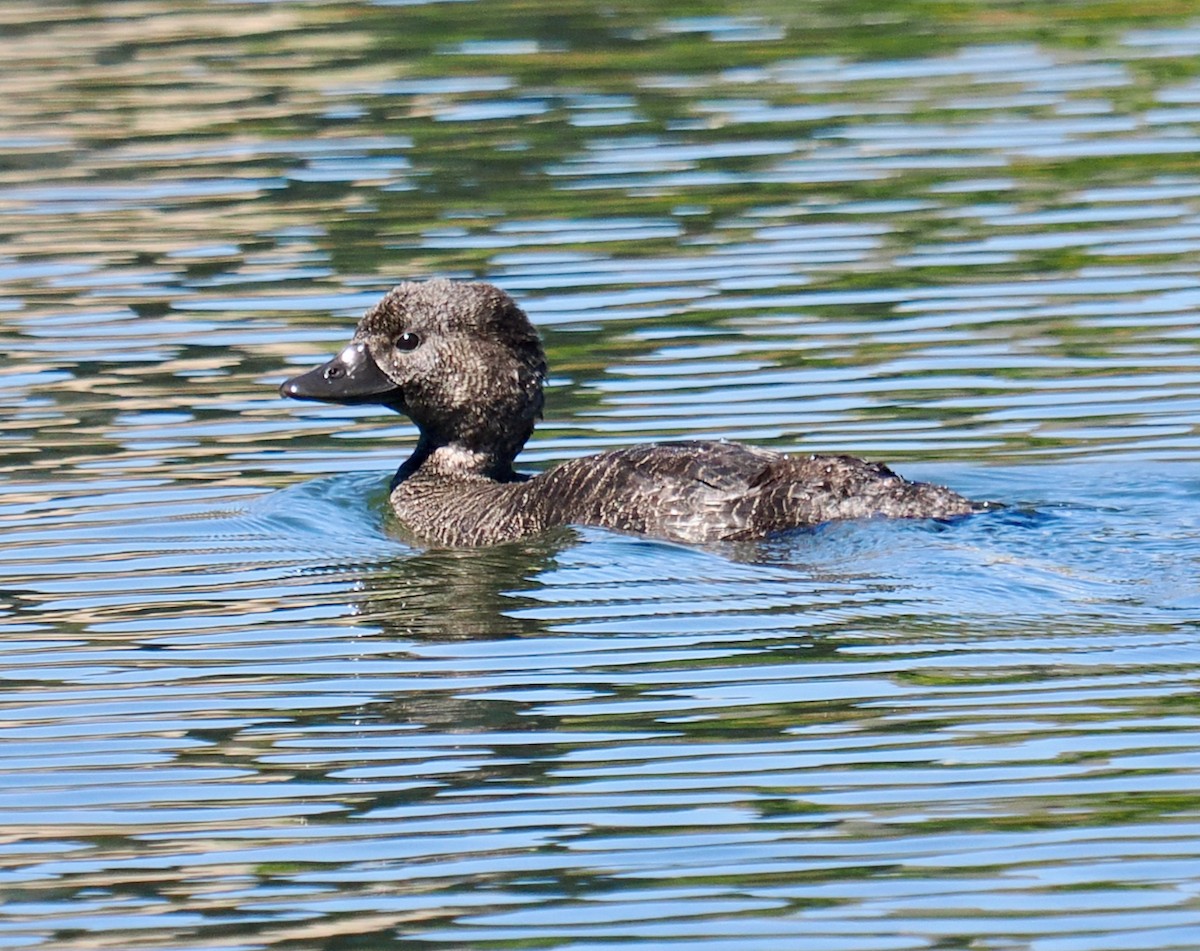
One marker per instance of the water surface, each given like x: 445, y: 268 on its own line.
x: 241, y: 711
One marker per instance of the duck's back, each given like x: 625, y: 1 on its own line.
x: 710, y: 491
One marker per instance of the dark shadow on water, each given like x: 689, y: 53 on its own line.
x: 458, y: 594
x: 343, y: 525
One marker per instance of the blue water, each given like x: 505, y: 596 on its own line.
x: 869, y: 735
x: 242, y: 710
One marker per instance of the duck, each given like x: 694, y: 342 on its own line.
x: 463, y: 361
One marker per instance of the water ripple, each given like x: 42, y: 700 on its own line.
x: 242, y: 709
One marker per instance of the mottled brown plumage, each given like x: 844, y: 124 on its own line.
x: 464, y: 363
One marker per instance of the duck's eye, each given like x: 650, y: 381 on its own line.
x: 408, y: 341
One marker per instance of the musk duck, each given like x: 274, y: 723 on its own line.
x: 464, y: 363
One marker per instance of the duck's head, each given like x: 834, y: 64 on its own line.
x: 461, y: 360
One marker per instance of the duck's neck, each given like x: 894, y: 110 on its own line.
x: 454, y: 462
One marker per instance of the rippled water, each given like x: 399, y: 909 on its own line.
x: 239, y: 711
